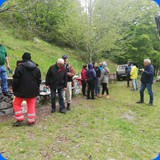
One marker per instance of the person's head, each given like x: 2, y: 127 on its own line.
x: 104, y: 64
x: 100, y: 64
x: 90, y: 66
x: 85, y: 66
x: 65, y: 58
x: 26, y: 56
x: 147, y: 62
x: 129, y: 63
x: 95, y: 65
x: 60, y: 63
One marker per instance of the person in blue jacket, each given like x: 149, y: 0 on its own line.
x: 147, y: 81
x: 91, y: 79
x: 128, y: 71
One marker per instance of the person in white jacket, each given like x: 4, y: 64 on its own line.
x: 104, y: 79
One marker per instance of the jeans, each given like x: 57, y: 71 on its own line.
x: 61, y: 99
x: 135, y: 84
x: 97, y: 86
x: 149, y: 88
x: 3, y: 80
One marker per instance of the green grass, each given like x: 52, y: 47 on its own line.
x: 103, y: 129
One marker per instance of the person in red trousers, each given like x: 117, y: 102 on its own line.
x: 26, y: 82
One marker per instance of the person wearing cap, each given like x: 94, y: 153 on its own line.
x: 26, y: 82
x: 56, y: 79
x: 3, y: 74
x: 104, y: 79
x: 70, y: 74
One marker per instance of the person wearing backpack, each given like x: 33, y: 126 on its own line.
x: 104, y: 79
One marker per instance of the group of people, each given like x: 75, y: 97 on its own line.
x: 27, y: 80
x: 146, y: 79
x: 93, y: 76
x: 26, y: 84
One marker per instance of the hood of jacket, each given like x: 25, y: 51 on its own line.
x: 90, y: 66
x: 29, y: 65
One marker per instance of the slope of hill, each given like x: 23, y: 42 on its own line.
x: 43, y: 53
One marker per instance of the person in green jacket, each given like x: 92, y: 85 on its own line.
x: 134, y: 76
x: 3, y: 75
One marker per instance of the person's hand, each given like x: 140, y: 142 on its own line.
x: 64, y: 89
x: 8, y: 67
x: 142, y: 70
x: 47, y: 87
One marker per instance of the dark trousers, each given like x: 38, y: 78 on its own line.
x: 53, y: 99
x: 84, y: 87
x: 104, y: 88
x: 149, y: 88
x: 91, y: 88
x: 128, y: 79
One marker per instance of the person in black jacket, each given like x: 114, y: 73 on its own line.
x: 147, y: 81
x: 56, y: 79
x: 26, y: 82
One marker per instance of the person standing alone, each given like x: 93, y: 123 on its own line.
x: 147, y: 81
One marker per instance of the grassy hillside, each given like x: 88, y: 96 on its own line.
x: 42, y: 52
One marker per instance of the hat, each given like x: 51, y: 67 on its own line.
x: 26, y: 56
x: 64, y: 57
x: 104, y: 64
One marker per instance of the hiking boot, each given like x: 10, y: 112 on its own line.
x: 150, y: 104
x: 18, y: 123
x: 107, y: 96
x: 68, y: 106
x: 140, y: 102
x: 63, y: 111
x: 53, y: 111
x: 31, y: 124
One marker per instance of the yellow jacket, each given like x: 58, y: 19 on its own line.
x: 134, y: 72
